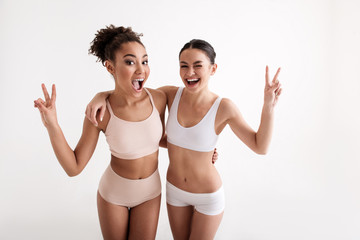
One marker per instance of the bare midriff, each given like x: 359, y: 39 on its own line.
x: 139, y: 168
x: 192, y: 171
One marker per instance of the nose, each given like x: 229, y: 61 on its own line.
x: 190, y: 71
x: 139, y: 69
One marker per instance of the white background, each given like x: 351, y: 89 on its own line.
x: 307, y: 187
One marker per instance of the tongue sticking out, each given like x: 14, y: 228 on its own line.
x: 136, y: 85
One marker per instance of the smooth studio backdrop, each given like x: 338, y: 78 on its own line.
x: 306, y: 187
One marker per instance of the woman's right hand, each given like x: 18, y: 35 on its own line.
x: 47, y: 108
x: 96, y: 104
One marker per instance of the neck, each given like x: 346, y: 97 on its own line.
x: 198, y: 97
x: 122, y: 97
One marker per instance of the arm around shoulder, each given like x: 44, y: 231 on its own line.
x: 168, y: 89
x: 97, y: 103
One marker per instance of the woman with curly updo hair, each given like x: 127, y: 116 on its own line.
x: 129, y: 191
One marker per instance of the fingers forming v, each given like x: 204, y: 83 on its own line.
x: 267, y: 81
x: 276, y: 75
x: 53, y: 95
x: 46, y: 94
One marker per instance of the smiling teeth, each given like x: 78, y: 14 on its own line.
x: 193, y: 80
x: 139, y: 80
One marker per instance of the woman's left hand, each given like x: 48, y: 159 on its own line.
x: 214, y: 156
x: 272, y: 88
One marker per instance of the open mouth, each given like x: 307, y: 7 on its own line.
x: 192, y: 81
x: 138, y: 84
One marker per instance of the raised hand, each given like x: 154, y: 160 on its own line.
x: 272, y: 88
x: 47, y: 108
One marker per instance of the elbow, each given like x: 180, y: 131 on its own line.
x: 163, y: 141
x: 261, y: 151
x: 72, y: 173
x: 163, y: 145
x: 260, y: 148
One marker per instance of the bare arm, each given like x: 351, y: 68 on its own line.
x: 72, y: 161
x: 163, y: 141
x: 160, y: 99
x: 257, y: 141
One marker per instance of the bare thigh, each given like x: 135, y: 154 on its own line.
x: 144, y: 219
x: 180, y: 221
x: 204, y: 227
x: 113, y: 219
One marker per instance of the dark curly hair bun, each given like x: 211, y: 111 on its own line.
x: 109, y: 39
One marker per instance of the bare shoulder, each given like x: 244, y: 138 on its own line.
x: 159, y: 98
x: 157, y: 94
x: 227, y: 108
x: 227, y: 104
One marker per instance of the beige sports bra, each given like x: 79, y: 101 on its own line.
x: 132, y: 140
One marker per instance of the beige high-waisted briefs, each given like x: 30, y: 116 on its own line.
x: 128, y: 192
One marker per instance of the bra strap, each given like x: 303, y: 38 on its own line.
x: 150, y: 96
x: 176, y: 101
x: 217, y: 103
x: 109, y: 107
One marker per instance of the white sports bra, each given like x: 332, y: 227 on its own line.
x: 201, y: 137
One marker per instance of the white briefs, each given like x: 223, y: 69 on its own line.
x: 205, y: 203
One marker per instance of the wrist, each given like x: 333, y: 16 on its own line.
x: 53, y: 126
x: 268, y: 107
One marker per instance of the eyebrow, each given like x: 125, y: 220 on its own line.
x: 132, y: 55
x: 197, y: 62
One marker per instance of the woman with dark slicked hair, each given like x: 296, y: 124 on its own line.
x: 197, y: 116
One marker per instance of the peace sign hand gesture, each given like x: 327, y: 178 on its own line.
x: 47, y: 108
x: 272, y: 89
